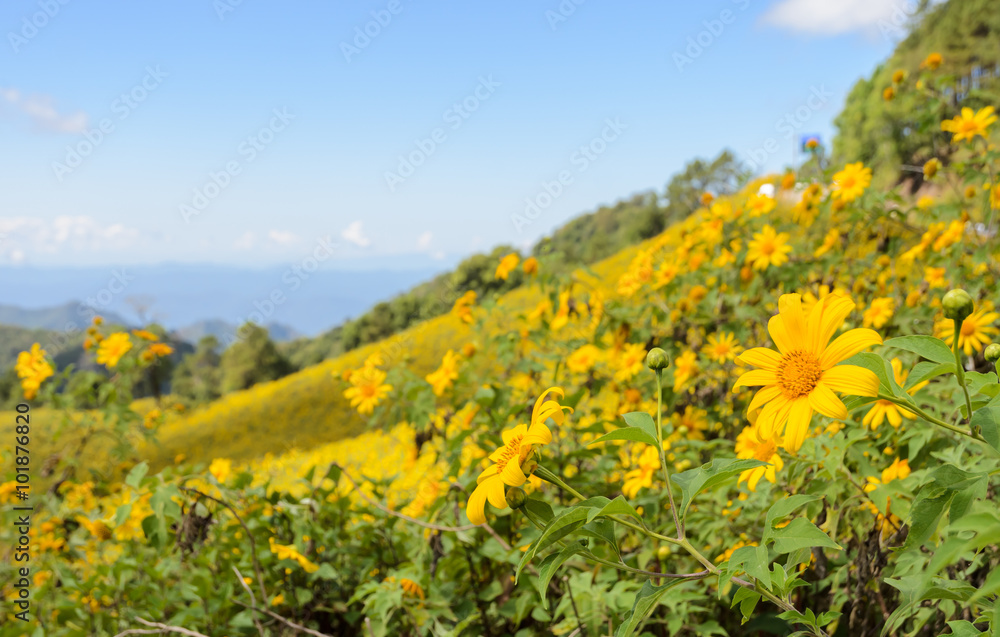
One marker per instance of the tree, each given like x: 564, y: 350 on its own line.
x: 722, y: 176
x: 252, y: 359
x: 198, y: 375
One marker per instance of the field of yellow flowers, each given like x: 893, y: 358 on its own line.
x: 781, y: 415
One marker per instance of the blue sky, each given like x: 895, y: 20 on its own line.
x: 254, y: 133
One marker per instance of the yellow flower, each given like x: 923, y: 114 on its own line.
x: 759, y: 204
x: 969, y: 123
x: 812, y: 143
x: 831, y: 239
x: 32, y: 369
x: 768, y: 248
x: 685, y: 368
x: 803, y: 374
x: 367, y: 389
x: 507, y: 264
x: 221, y: 469
x: 722, y: 347
x: 976, y: 332
x: 879, y: 312
x: 583, y: 359
x: 511, y: 461
x: 649, y: 463
x: 932, y: 61
x: 935, y: 277
x: 749, y: 445
x: 278, y: 600
x: 442, y: 378
x: 898, y: 76
x: 463, y: 306
x: 145, y: 335
x: 530, y: 266
x: 160, y: 349
x: 931, y: 167
x: 851, y: 182
x: 113, y: 348
x: 630, y: 362
x: 151, y: 418
x: 411, y: 588
x: 889, y: 93
x: 883, y: 409
x: 898, y: 470
x: 707, y: 198
x: 283, y: 552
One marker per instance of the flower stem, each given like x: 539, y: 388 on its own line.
x: 663, y: 458
x: 960, y: 369
x: 937, y: 421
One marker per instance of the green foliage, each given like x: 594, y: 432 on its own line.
x: 252, y: 359
x: 197, y: 377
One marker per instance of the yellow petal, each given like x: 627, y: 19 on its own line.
x: 798, y: 424
x: 779, y: 334
x: 509, y: 434
x: 756, y: 377
x: 761, y: 357
x: 848, y: 344
x: 489, y: 472
x: 765, y: 395
x: 476, y: 506
x: 790, y: 309
x: 823, y: 400
x: 541, y: 400
x: 851, y: 379
x: 826, y: 317
x: 772, y: 417
x: 512, y: 474
x: 495, y: 492
x: 538, y: 434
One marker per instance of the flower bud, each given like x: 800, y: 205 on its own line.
x: 992, y: 352
x: 957, y: 304
x: 516, y: 497
x: 657, y: 359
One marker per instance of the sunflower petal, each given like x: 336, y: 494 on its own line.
x: 765, y: 395
x: 825, y: 319
x: 475, y: 509
x: 761, y: 357
x: 848, y: 344
x: 538, y: 434
x: 772, y: 417
x: 798, y: 424
x: 790, y: 309
x: 823, y: 400
x: 756, y: 377
x: 542, y: 400
x: 851, y: 379
x: 495, y: 493
x: 779, y: 334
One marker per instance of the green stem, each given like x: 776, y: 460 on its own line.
x: 937, y: 421
x: 663, y: 458
x: 960, y: 368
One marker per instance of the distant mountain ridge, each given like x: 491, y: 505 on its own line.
x: 67, y: 317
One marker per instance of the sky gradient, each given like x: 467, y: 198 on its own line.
x: 400, y: 132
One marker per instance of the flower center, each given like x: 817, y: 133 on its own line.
x: 848, y: 182
x: 798, y: 373
x: 764, y: 451
x: 968, y: 328
x: 767, y: 248
x: 511, y: 450
x: 367, y: 390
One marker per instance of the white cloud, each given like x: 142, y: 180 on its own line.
x: 23, y: 236
x: 424, y: 240
x: 246, y: 241
x: 40, y: 109
x: 282, y: 238
x: 826, y: 17
x: 356, y: 235
x: 438, y: 256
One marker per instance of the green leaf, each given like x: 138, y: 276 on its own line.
x: 988, y: 421
x: 694, y: 481
x: 561, y: 526
x: 547, y: 569
x: 881, y: 368
x: 122, y: 513
x: 627, y: 433
x: 136, y: 475
x: 618, y: 506
x: 975, y: 381
x: 540, y: 509
x: 925, y: 513
x: 782, y: 508
x: 753, y: 560
x: 641, y: 420
x: 747, y: 599
x: 801, y: 533
x: 925, y: 370
x: 962, y: 628
x: 645, y: 601
x: 933, y: 349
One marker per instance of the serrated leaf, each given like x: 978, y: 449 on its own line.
x: 641, y: 420
x: 785, y: 507
x: 694, y: 481
x: 618, y: 506
x: 801, y: 533
x: 747, y: 599
x: 975, y: 381
x: 561, y: 526
x: 645, y: 601
x: 641, y: 428
x: 962, y: 628
x: 136, y: 475
x: 926, y: 370
x: 988, y: 421
x: 547, y: 569
x: 933, y: 349
x: 753, y: 560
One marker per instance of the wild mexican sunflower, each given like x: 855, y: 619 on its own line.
x: 722, y: 347
x: 879, y: 312
x: 749, y: 445
x: 507, y: 264
x: 850, y: 183
x: 976, y: 331
x: 513, y: 460
x: 642, y: 476
x: 367, y: 389
x: 113, y: 348
x: 883, y: 410
x: 802, y: 376
x: 32, y: 369
x: 969, y: 123
x: 768, y: 248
